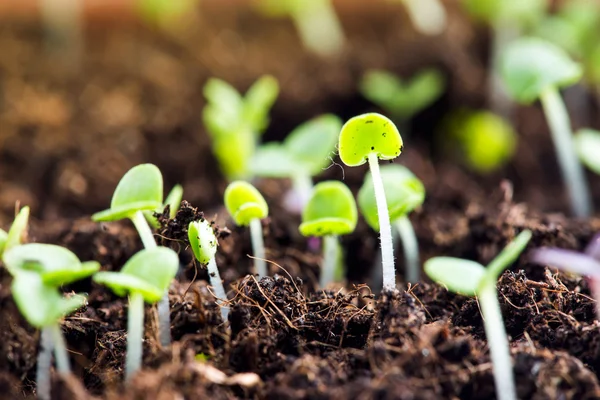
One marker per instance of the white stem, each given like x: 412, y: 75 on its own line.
x: 562, y: 136
x: 143, y: 229
x: 60, y: 349
x: 331, y: 249
x: 503, y: 32
x: 427, y: 16
x: 385, y: 228
x: 258, y: 248
x: 135, y: 335
x: 44, y: 362
x: 298, y: 196
x: 497, y: 342
x: 319, y: 28
x: 411, y: 248
x: 219, y: 290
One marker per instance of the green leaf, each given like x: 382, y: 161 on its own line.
x: 258, y: 101
x: 18, y: 229
x: 587, y: 145
x: 382, y: 88
x: 3, y: 238
x: 366, y: 134
x: 507, y: 256
x: 173, y: 200
x: 234, y: 153
x: 459, y: 276
x: 508, y: 10
x: 403, y: 192
x: 224, y: 101
x: 123, y: 284
x: 273, y: 161
x: 530, y: 65
x: 244, y: 202
x: 331, y: 210
x: 202, y: 241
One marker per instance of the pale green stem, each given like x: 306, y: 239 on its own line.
x: 219, y: 290
x: 44, y: 362
x: 427, y: 16
x: 320, y: 28
x: 562, y: 135
x: 163, y: 308
x: 411, y: 248
x: 60, y: 349
x: 302, y: 187
x: 385, y: 228
x: 331, y: 249
x: 135, y: 334
x: 497, y: 342
x: 258, y: 247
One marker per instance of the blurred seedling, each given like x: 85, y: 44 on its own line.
x: 235, y: 123
x: 204, y: 246
x: 247, y: 207
x: 330, y: 212
x: 370, y: 137
x: 173, y: 200
x: 535, y: 69
x: 16, y: 233
x: 429, y: 17
x: 145, y: 277
x: 304, y: 153
x: 470, y: 278
x: 403, y: 192
x: 166, y: 14
x: 141, y: 189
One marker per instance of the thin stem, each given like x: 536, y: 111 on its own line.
x: 141, y: 225
x: 298, y: 196
x: 217, y: 284
x: 385, y: 228
x: 427, y: 16
x: 320, y: 28
x: 331, y: 248
x: 258, y: 247
x: 497, y: 342
x: 44, y: 362
x: 562, y: 135
x: 503, y: 32
x: 63, y: 365
x: 135, y: 334
x: 411, y: 248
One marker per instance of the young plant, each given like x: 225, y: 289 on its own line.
x: 404, y: 192
x: 235, y: 123
x: 141, y: 189
x: 533, y: 68
x: 470, y: 278
x: 204, y: 245
x: 370, y: 137
x: 247, y: 207
x: 304, y: 153
x: 145, y: 277
x: 173, y: 200
x: 330, y: 212
x: 16, y: 232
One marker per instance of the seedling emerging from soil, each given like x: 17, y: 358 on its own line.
x: 145, y: 277
x: 370, y: 137
x: 141, y: 189
x: 587, y: 145
x: 470, y: 278
x: 304, y: 153
x: 330, y: 212
x: 235, y: 123
x: 173, y: 200
x: 403, y: 192
x: 204, y: 245
x: 17, y: 231
x: 247, y: 207
x: 532, y: 69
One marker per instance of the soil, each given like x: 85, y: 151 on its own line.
x: 68, y: 133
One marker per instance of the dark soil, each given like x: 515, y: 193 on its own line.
x: 66, y: 139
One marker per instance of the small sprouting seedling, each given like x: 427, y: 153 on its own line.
x: 330, y: 212
x: 587, y: 145
x: 173, y: 200
x: 16, y: 233
x: 204, y: 245
x: 247, y: 207
x: 316, y: 21
x: 428, y: 16
x: 235, y: 123
x: 304, y: 153
x: 402, y: 99
x: 403, y: 192
x: 370, y: 137
x: 144, y: 277
x: 533, y: 68
x: 470, y: 278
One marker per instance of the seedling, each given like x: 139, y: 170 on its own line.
x: 173, y: 200
x: 428, y: 16
x: 533, y: 68
x: 16, y: 233
x: 304, y: 153
x: 470, y: 278
x: 370, y: 137
x: 144, y: 277
x: 587, y: 145
x: 235, y: 123
x: 330, y: 212
x: 247, y: 207
x: 204, y: 245
x: 403, y: 192
x: 141, y: 189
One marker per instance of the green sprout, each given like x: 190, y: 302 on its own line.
x: 470, y: 278
x: 403, y: 193
x: 141, y: 189
x: 247, y: 207
x: 235, y: 123
x: 330, y: 212
x: 204, y: 245
x: 173, y: 200
x: 428, y: 16
x: 370, y: 137
x: 402, y: 99
x: 16, y: 233
x: 304, y: 153
x: 164, y: 12
x: 316, y: 21
x: 145, y: 277
x: 533, y: 68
